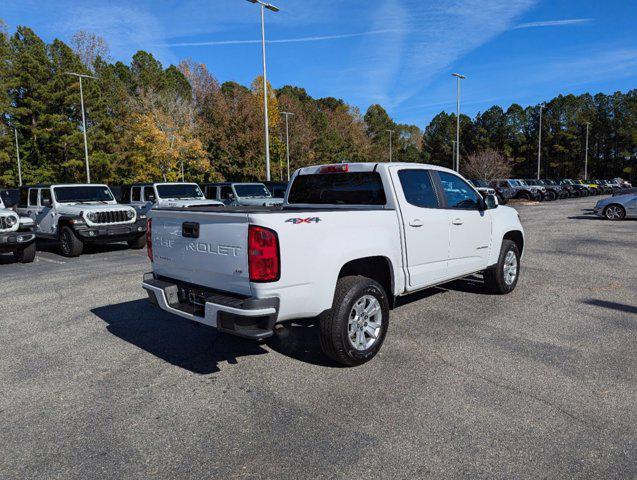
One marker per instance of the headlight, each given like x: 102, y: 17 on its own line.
x: 91, y: 216
x: 10, y: 220
x: 130, y: 214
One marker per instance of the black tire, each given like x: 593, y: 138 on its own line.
x: 25, y: 254
x: 524, y: 196
x: 70, y: 245
x: 501, y: 199
x: 137, y: 243
x: 551, y: 195
x: 334, y: 324
x: 617, y: 212
x: 494, y: 277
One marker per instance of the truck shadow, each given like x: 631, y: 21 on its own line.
x: 51, y: 246
x: 192, y: 346
x: 202, y: 349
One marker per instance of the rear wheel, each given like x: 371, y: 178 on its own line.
x: 137, y: 243
x: 524, y: 196
x: 25, y: 254
x: 70, y: 245
x: 352, y: 332
x: 503, y: 277
x: 614, y: 212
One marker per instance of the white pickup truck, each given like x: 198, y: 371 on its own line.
x: 348, y: 240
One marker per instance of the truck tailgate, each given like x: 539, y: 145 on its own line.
x: 210, y: 250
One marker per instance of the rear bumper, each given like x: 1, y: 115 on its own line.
x: 252, y: 318
x: 14, y: 240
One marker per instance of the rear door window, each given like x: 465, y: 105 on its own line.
x: 226, y: 193
x: 418, y: 188
x: 45, y: 194
x: 136, y: 194
x: 33, y: 197
x: 351, y: 188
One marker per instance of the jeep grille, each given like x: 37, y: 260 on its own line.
x: 118, y: 216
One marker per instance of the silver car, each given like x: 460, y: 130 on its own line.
x: 617, y: 208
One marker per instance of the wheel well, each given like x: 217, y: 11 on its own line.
x: 516, y: 237
x: 376, y: 268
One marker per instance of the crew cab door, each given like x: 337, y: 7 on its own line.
x: 469, y: 226
x: 425, y: 226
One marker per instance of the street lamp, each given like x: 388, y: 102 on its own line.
x: 17, y: 152
x: 539, y: 143
x: 81, y: 76
x: 458, y: 77
x: 287, y: 141
x: 586, y: 154
x: 391, y: 132
x: 265, y: 83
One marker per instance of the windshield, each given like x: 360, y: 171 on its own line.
x: 179, y: 190
x: 252, y: 190
x: 522, y: 182
x: 550, y: 182
x: 514, y: 183
x: 83, y: 194
x: 479, y: 183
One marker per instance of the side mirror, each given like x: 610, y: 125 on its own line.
x: 46, y: 202
x: 231, y: 196
x: 490, y: 202
x: 150, y: 198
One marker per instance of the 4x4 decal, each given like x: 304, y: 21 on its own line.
x: 296, y: 221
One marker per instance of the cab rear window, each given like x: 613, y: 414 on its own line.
x: 355, y: 188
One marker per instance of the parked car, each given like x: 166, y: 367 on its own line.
x: 246, y: 194
x: 622, y: 183
x: 563, y: 191
x: 277, y: 189
x: 74, y: 215
x: 548, y: 193
x: 9, y: 197
x: 349, y: 240
x: 16, y: 235
x: 485, y: 189
x: 592, y: 187
x: 625, y: 191
x: 579, y: 189
x: 144, y: 196
x: 603, y: 187
x: 522, y: 191
x: 617, y: 207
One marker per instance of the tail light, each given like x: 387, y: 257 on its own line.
x: 149, y: 239
x: 263, y: 254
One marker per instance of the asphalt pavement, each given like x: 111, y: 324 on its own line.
x: 97, y: 383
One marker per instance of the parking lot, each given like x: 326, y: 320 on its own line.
x: 537, y: 384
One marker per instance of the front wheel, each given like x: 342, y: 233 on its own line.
x: 503, y: 277
x: 25, y: 254
x: 352, y: 332
x: 70, y: 245
x: 614, y: 212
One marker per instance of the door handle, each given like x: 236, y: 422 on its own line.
x: 416, y: 222
x: 457, y: 221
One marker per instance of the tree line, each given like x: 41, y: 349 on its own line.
x: 147, y: 123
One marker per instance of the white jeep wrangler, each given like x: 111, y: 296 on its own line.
x: 16, y: 235
x: 74, y: 215
x: 144, y: 196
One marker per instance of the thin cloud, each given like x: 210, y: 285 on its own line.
x: 319, y: 38
x: 554, y: 23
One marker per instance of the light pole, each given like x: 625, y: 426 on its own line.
x: 586, y: 154
x: 287, y: 141
x: 17, y: 152
x: 458, y: 77
x: 265, y: 83
x: 391, y: 132
x: 539, y: 144
x: 81, y: 76
x: 453, y: 155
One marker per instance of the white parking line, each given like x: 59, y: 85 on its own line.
x: 59, y: 262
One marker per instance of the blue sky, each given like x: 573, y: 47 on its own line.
x: 399, y: 53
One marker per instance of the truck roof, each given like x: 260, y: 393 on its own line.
x: 370, y: 167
